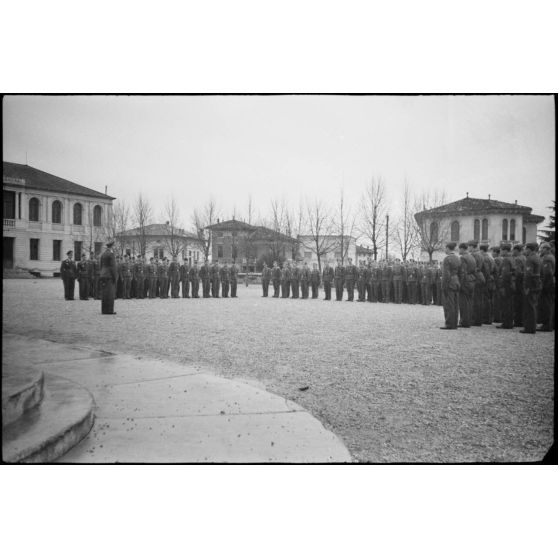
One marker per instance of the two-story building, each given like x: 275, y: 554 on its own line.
x: 485, y: 220
x: 44, y: 216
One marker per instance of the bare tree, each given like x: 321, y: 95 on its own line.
x: 295, y: 224
x: 373, y: 214
x: 431, y: 228
x: 116, y: 223
x: 405, y: 233
x: 203, y: 218
x: 174, y: 235
x: 345, y: 226
x: 143, y: 214
x: 277, y: 222
x: 320, y: 229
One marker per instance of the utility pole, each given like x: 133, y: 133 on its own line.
x: 387, y: 235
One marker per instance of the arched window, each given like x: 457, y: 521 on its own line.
x: 476, y: 230
x: 56, y: 212
x: 97, y: 213
x: 77, y: 213
x: 485, y: 229
x: 512, y: 229
x: 524, y: 235
x: 505, y: 229
x: 433, y: 232
x: 455, y: 231
x: 33, y: 209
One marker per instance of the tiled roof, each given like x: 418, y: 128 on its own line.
x: 533, y: 219
x: 475, y: 205
x: 157, y: 229
x: 231, y: 225
x: 35, y: 178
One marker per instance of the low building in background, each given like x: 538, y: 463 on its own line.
x: 488, y: 221
x: 330, y: 247
x: 159, y: 241
x: 44, y: 216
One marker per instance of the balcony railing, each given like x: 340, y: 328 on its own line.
x: 9, y: 223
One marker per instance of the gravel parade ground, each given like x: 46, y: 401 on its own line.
x: 383, y: 377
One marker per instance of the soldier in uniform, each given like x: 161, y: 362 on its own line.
x: 361, y: 282
x: 438, y: 279
x: 276, y: 279
x: 174, y: 277
x: 488, y: 271
x: 107, y: 279
x: 185, y: 279
x: 496, y: 300
x: 479, y: 296
x: 285, y: 280
x: 266, y: 278
x: 327, y: 279
x: 519, y: 261
x: 96, y: 278
x: 412, y: 282
x: 397, y: 279
x: 133, y: 284
x: 83, y: 278
x: 139, y: 277
x: 315, y: 280
x: 68, y: 273
x: 505, y: 283
x: 126, y: 273
x: 350, y: 276
x: 205, y: 278
x: 234, y: 279
x: 386, y: 281
x: 374, y: 282
x: 467, y: 278
x: 215, y: 282
x: 225, y: 280
x: 163, y: 276
x: 531, y: 287
x: 194, y: 276
x: 548, y: 264
x: 450, y: 286
x: 339, y: 278
x: 91, y: 275
x: 305, y: 280
x: 151, y: 271
x: 119, y: 280
x: 295, y: 278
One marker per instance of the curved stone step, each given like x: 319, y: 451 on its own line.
x: 22, y: 389
x: 50, y: 429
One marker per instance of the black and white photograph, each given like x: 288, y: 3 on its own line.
x: 278, y: 278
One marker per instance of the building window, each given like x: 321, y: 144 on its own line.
x: 524, y: 235
x: 9, y: 204
x: 56, y: 250
x: 505, y: 229
x: 77, y: 250
x: 77, y: 213
x: 33, y: 209
x: 512, y: 230
x: 455, y: 231
x: 485, y: 229
x: 98, y: 248
x: 33, y: 248
x: 159, y: 253
x: 19, y: 205
x: 56, y: 212
x: 219, y: 251
x: 476, y: 230
x: 434, y: 231
x: 97, y: 214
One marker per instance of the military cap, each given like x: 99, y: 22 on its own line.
x: 451, y: 245
x: 463, y: 245
x: 110, y: 244
x: 69, y: 252
x: 545, y: 245
x: 532, y: 246
x: 518, y: 247
x: 496, y: 249
x: 506, y: 247
x: 483, y: 247
x: 473, y: 243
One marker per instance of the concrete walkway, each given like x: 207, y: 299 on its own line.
x: 152, y: 411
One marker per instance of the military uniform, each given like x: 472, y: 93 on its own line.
x: 496, y: 295
x: 397, y: 279
x: 339, y: 278
x: 174, y: 278
x: 295, y: 278
x: 327, y: 279
x: 215, y: 282
x: 107, y: 278
x: 185, y: 280
x: 488, y: 270
x: 68, y: 273
x: 315, y: 281
x: 450, y: 289
x: 225, y: 280
x: 519, y: 260
x: 548, y: 291
x: 234, y: 280
x: 285, y: 281
x: 163, y: 277
x: 479, y: 295
x: 412, y: 283
x: 151, y: 271
x: 96, y: 279
x: 119, y: 280
x: 139, y: 278
x: 83, y: 279
x: 304, y: 281
x: 386, y: 280
x: 276, y: 280
x: 266, y: 278
x: 205, y: 278
x: 505, y: 284
x: 467, y: 278
x: 531, y: 290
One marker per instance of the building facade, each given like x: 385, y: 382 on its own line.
x: 488, y: 221
x: 331, y: 248
x: 249, y: 246
x: 44, y: 216
x: 160, y: 241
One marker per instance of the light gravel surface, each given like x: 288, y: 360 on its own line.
x: 384, y: 377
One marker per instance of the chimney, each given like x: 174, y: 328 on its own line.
x: 106, y: 190
x: 217, y: 219
x: 488, y: 196
x: 467, y: 195
x: 515, y: 202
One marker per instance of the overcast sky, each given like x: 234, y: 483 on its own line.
x: 295, y: 147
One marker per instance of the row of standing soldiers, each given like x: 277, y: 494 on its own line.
x: 513, y: 286
x: 410, y: 282
x: 154, y: 279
